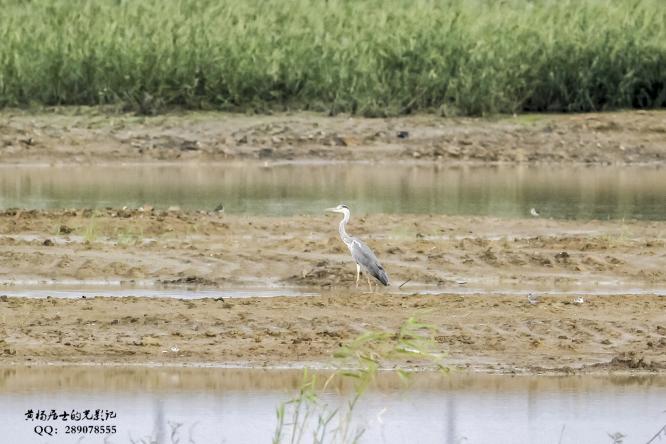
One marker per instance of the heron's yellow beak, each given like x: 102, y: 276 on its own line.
x: 331, y: 209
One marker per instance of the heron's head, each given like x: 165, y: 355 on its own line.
x: 339, y: 209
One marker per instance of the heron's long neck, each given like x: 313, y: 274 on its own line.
x: 343, y: 232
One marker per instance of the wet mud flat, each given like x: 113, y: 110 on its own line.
x: 502, y: 334
x: 94, y: 134
x: 210, y: 250
x: 482, y: 330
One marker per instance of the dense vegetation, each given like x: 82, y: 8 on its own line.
x: 372, y: 57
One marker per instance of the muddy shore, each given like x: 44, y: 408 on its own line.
x: 481, y: 331
x: 85, y: 135
x: 480, y: 268
x: 211, y: 249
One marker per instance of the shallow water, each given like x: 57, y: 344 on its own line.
x: 77, y: 291
x: 238, y: 405
x: 284, y: 189
x: 98, y: 289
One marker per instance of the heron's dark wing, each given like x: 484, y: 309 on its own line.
x: 364, y: 256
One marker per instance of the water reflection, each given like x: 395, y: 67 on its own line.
x: 238, y: 405
x: 508, y: 191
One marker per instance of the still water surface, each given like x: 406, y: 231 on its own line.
x: 215, y: 405
x: 570, y: 192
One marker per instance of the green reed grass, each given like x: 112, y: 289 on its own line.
x: 358, y: 362
x: 368, y: 57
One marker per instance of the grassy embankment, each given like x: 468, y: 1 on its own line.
x: 370, y: 57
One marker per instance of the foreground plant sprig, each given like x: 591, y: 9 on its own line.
x: 359, y: 362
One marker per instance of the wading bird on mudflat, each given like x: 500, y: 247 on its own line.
x: 362, y: 254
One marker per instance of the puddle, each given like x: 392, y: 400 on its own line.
x: 74, y: 289
x: 522, y: 291
x: 238, y: 405
x: 63, y: 291
x: 571, y: 192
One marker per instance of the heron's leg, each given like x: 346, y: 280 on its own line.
x: 358, y: 274
x: 369, y: 283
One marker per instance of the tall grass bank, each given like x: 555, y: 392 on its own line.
x: 368, y: 57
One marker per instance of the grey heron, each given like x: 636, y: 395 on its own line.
x: 361, y: 253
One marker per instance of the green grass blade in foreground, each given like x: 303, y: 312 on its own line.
x: 357, y: 362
